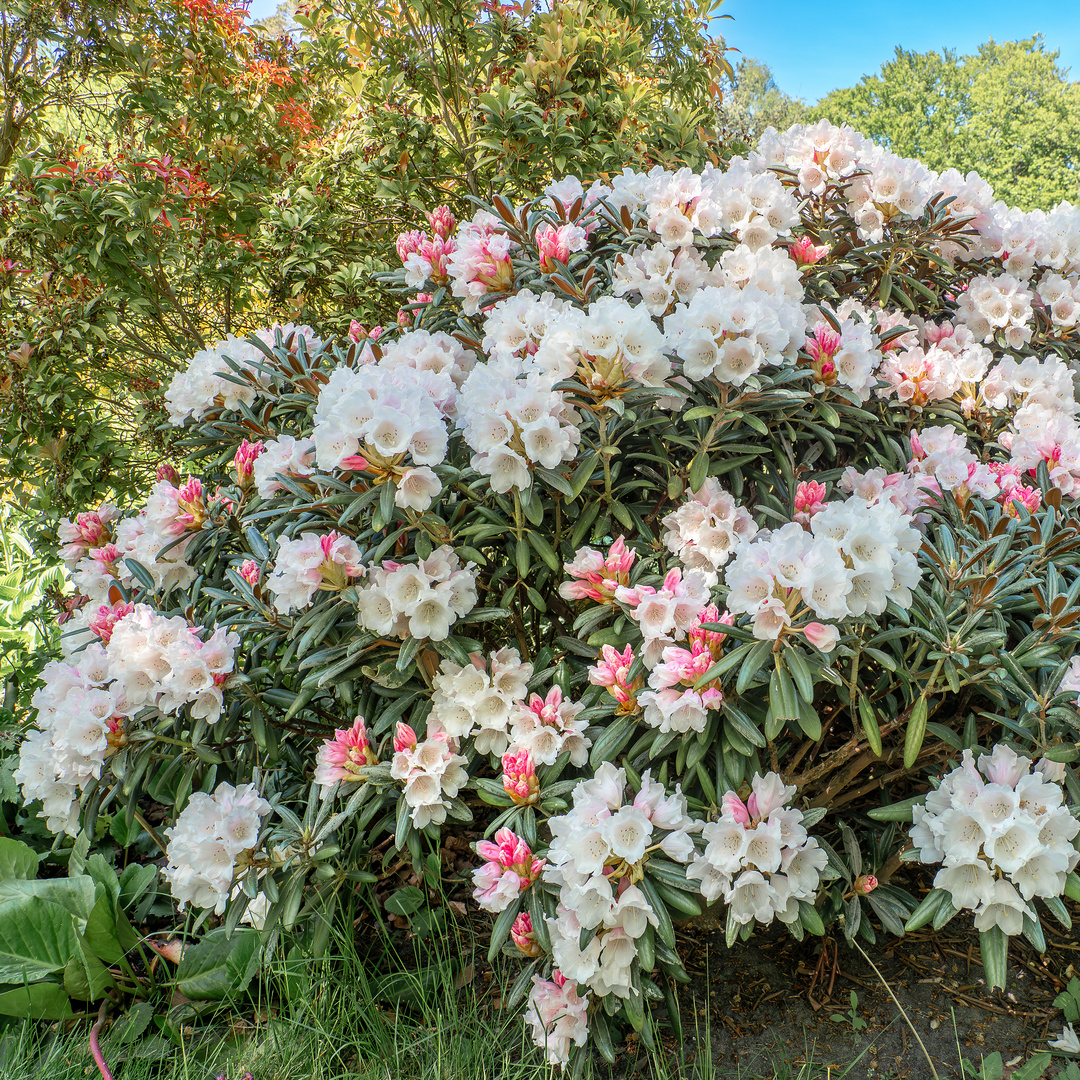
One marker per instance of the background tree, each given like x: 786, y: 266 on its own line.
x: 234, y: 177
x: 755, y: 102
x: 1008, y: 111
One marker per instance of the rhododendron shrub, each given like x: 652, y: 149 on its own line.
x: 684, y: 533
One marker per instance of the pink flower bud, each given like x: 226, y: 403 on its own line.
x: 404, y: 738
x: 523, y: 935
x: 822, y: 636
x: 865, y: 884
x: 166, y: 471
x: 805, y: 253
x: 356, y: 331
x: 244, y: 461
x: 739, y: 810
x: 355, y: 463
x: 249, y: 571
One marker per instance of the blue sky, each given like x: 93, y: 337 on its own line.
x: 815, y: 48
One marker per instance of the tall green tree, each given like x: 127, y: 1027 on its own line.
x: 1009, y: 112
x: 754, y: 102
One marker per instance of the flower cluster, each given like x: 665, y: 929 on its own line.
x: 478, y: 700
x: 548, y: 726
x: 667, y: 614
x: 606, y: 347
x: 480, y: 262
x: 80, y: 720
x: 674, y: 701
x: 1003, y: 834
x: 283, y: 456
x: 597, y: 855
x: 508, y: 871
x: 854, y: 558
x: 758, y: 855
x: 729, y: 333
x: 597, y: 576
x: 705, y: 531
x: 210, y: 382
x: 372, y: 418
x: 422, y: 600
x: 88, y: 531
x: 425, y: 258
x: 993, y: 305
x: 326, y: 561
x: 212, y: 834
x: 558, y: 1015
x: 428, y: 770
x: 511, y: 418
x: 343, y: 758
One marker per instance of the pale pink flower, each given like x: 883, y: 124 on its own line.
x: 736, y: 809
x: 822, y: 636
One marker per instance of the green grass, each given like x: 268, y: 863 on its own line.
x: 335, y: 1021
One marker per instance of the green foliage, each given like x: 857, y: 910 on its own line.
x: 755, y: 102
x: 1008, y: 111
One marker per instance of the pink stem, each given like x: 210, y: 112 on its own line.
x: 95, y: 1049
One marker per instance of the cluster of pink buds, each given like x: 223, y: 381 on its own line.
x: 190, y: 504
x: 822, y: 346
x: 342, y: 758
x: 519, y: 778
x: 806, y: 253
x: 168, y: 472
x: 556, y: 242
x: 613, y: 671
x: 106, y: 617
x: 524, y: 937
x: 809, y: 500
x: 244, y: 462
x: 357, y: 333
x: 596, y: 576
x: 509, y: 870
